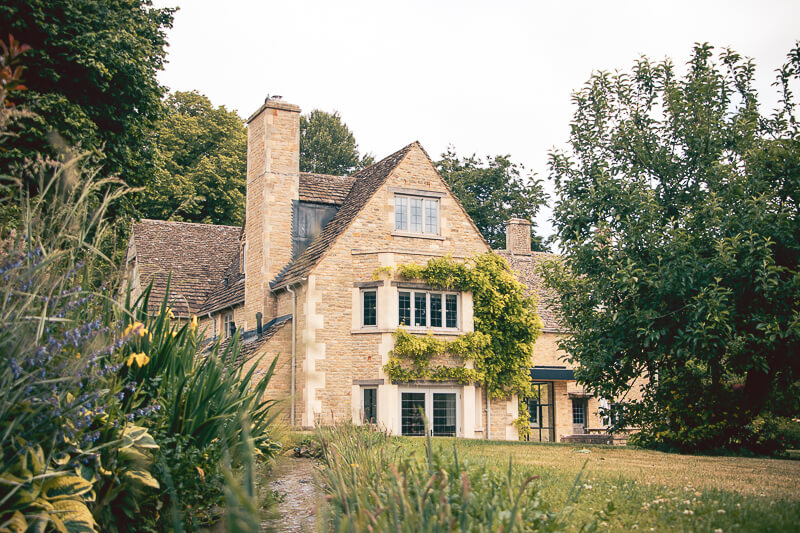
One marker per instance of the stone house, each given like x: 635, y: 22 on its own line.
x: 298, y: 281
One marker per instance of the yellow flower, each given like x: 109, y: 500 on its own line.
x: 136, y: 328
x: 194, y: 322
x: 140, y: 358
x: 170, y: 313
x: 78, y: 355
x: 150, y: 337
x: 174, y: 333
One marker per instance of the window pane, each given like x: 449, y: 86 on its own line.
x: 412, y: 422
x: 370, y: 308
x: 432, y: 216
x: 444, y: 414
x: 420, y: 300
x: 400, y: 213
x: 404, y: 305
x: 533, y: 409
x: 578, y: 412
x: 371, y: 406
x: 451, y: 311
x: 416, y: 215
x: 436, y: 310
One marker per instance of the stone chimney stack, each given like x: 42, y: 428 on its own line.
x: 518, y: 236
x: 273, y: 174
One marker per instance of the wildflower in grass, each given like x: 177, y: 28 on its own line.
x: 688, y: 511
x: 193, y: 324
x: 721, y: 511
x: 141, y: 359
x: 718, y: 530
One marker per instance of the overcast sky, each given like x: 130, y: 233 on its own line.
x: 486, y: 77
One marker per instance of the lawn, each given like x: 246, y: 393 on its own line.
x: 624, y: 489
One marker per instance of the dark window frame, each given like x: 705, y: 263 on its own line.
x: 407, y: 309
x: 365, y: 309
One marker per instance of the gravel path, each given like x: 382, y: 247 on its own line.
x: 293, y: 479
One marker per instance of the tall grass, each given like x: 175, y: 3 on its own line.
x: 373, y: 485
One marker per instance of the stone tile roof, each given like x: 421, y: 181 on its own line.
x: 324, y: 188
x: 547, y: 300
x: 196, y: 255
x: 366, y: 183
x: 229, y: 291
x: 250, y: 340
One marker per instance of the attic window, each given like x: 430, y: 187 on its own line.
x: 416, y: 214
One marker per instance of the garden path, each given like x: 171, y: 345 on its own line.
x: 293, y: 479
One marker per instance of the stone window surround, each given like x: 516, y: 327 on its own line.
x: 401, y: 192
x: 388, y: 311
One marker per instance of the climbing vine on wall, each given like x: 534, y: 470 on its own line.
x: 500, y: 348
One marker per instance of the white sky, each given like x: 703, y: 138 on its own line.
x: 487, y: 77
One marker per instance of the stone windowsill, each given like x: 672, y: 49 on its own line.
x: 416, y: 331
x: 418, y: 235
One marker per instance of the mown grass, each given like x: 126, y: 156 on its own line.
x: 633, y: 489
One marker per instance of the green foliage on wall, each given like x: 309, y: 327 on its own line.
x: 500, y: 348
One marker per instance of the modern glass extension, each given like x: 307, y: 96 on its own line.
x: 441, y: 408
x: 541, y: 406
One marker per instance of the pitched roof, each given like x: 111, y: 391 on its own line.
x: 525, y: 267
x: 229, y: 290
x: 250, y: 341
x: 196, y: 255
x: 366, y: 183
x: 324, y: 188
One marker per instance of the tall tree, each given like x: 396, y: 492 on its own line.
x: 327, y: 145
x: 679, y: 220
x: 201, y: 163
x: 493, y: 190
x: 91, y: 77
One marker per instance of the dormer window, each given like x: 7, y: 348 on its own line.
x: 416, y: 214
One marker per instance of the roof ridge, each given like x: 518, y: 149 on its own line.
x: 204, y: 224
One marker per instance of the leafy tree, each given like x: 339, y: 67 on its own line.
x: 492, y: 191
x: 91, y: 77
x: 201, y: 163
x: 327, y: 145
x: 679, y: 220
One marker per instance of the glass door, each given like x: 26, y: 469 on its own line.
x: 441, y: 409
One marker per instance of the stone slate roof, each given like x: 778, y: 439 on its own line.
x: 250, y: 340
x: 525, y: 267
x: 324, y: 188
x: 366, y: 183
x: 196, y: 255
x: 229, y: 291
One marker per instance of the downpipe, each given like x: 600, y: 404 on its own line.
x: 294, y: 355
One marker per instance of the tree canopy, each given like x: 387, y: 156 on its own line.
x: 493, y: 190
x: 678, y: 214
x: 327, y: 146
x: 91, y: 77
x: 201, y: 163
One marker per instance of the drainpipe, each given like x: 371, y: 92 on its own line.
x: 294, y: 354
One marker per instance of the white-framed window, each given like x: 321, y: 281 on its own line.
x: 227, y: 324
x: 369, y: 308
x: 416, y: 214
x: 427, y: 309
x: 441, y: 408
